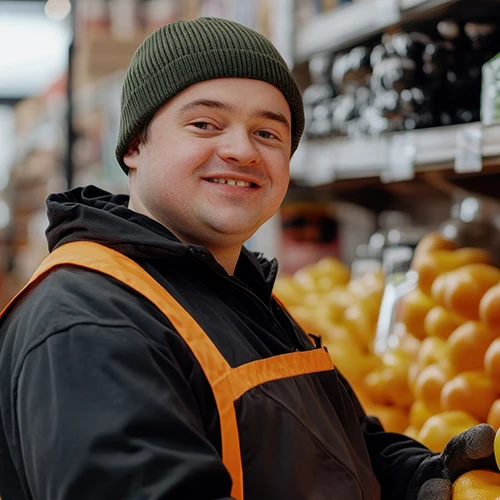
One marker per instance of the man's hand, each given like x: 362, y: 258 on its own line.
x: 470, y: 450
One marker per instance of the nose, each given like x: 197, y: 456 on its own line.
x: 239, y: 149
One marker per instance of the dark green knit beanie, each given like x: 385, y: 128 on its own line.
x: 186, y: 52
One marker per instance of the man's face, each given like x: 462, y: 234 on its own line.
x: 215, y: 165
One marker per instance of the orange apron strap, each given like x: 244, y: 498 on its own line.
x: 107, y: 261
x: 112, y: 263
x: 247, y: 376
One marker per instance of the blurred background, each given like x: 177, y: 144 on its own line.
x: 395, y: 185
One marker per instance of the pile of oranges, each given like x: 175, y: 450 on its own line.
x: 453, y: 315
x: 441, y: 373
x: 324, y: 300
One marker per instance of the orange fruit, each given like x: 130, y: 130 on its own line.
x: 432, y: 241
x: 419, y: 414
x: 496, y: 445
x: 494, y: 415
x: 429, y: 384
x: 471, y: 391
x: 370, y: 285
x: 288, y: 291
x: 324, y: 314
x: 477, y: 485
x: 492, y: 362
x: 489, y: 309
x: 413, y: 372
x: 375, y: 384
x: 471, y: 255
x: 351, y: 362
x: 388, y: 385
x: 334, y: 268
x: 361, y: 394
x: 323, y: 275
x: 407, y: 343
x: 436, y: 262
x: 433, y: 350
x: 412, y: 310
x: 440, y: 322
x: 395, y: 373
x: 462, y: 289
x: 440, y: 428
x: 393, y: 419
x: 359, y: 320
x: 468, y: 345
x: 411, y: 432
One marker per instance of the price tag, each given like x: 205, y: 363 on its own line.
x: 387, y: 11
x: 400, y: 159
x: 469, y: 156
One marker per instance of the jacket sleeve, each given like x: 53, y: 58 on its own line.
x: 103, y: 413
x: 394, y: 457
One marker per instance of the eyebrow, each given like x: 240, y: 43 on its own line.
x: 224, y: 106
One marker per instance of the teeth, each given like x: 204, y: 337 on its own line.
x: 230, y: 182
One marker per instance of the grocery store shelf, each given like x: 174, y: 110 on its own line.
x: 353, y: 23
x: 423, y: 4
x: 345, y: 26
x: 319, y: 162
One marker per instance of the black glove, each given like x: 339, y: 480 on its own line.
x: 470, y: 450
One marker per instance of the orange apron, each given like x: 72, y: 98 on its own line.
x: 228, y: 384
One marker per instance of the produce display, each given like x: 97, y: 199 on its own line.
x: 441, y: 372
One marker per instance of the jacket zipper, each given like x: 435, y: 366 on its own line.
x: 290, y: 341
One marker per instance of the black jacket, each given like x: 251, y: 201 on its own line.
x: 102, y: 399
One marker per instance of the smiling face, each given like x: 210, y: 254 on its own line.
x: 215, y: 165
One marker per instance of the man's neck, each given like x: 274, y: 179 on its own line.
x: 227, y: 258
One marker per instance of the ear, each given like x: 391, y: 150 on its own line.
x: 132, y: 156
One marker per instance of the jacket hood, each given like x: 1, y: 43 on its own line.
x: 92, y: 214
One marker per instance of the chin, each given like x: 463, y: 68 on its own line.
x: 235, y: 231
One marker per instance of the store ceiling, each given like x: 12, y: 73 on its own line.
x: 38, y: 49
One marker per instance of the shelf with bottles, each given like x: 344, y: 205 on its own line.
x: 344, y: 26
x: 397, y: 156
x: 350, y: 23
x: 410, y: 101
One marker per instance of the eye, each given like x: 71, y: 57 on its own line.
x: 266, y: 134
x: 204, y: 125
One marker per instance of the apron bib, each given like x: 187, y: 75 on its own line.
x: 228, y: 384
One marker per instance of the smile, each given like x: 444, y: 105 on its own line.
x: 230, y: 182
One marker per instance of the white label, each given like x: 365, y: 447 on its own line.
x: 386, y: 11
x: 469, y: 156
x: 401, y: 159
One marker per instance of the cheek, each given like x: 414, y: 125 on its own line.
x: 281, y: 174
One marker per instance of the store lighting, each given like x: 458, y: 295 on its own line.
x: 4, y: 214
x: 57, y: 10
x: 37, y: 55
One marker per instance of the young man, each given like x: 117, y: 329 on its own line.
x: 148, y: 359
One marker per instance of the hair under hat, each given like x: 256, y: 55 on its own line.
x: 183, y: 53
